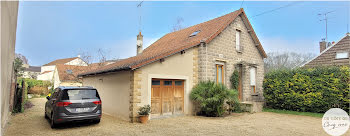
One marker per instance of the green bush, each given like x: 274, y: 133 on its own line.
x: 211, y: 97
x: 308, y: 90
x: 234, y: 79
x: 233, y: 101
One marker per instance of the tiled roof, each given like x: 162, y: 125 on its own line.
x: 33, y: 69
x: 70, y: 72
x: 177, y: 41
x: 60, y: 61
x: 327, y: 56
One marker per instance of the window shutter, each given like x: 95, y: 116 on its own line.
x: 252, y: 76
x: 238, y: 37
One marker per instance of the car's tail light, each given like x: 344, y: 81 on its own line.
x: 63, y: 104
x: 97, y: 102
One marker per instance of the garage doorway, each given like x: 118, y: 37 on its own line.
x: 167, y: 97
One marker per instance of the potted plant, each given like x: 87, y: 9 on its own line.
x: 143, y: 113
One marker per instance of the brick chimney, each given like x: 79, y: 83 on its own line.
x: 139, y: 44
x: 323, y: 45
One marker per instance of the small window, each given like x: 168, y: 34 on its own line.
x: 219, y: 73
x: 178, y: 83
x: 253, y: 78
x: 155, y: 82
x: 69, y: 71
x: 342, y: 55
x: 238, y: 41
x: 168, y: 82
x: 195, y: 33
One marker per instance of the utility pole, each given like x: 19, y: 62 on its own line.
x: 326, y: 20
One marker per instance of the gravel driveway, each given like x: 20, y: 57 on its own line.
x: 32, y: 122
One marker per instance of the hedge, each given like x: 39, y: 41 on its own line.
x: 35, y: 86
x: 308, y: 90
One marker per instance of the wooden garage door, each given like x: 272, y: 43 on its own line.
x: 167, y: 97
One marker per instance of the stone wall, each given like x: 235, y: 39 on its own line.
x: 135, y: 94
x: 222, y: 50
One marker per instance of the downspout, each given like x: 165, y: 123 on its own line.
x: 206, y: 63
x: 206, y: 58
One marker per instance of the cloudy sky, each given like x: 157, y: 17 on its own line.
x: 52, y: 30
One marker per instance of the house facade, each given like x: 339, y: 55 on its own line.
x: 9, y: 13
x: 47, y: 70
x: 66, y: 75
x: 164, y: 74
x: 31, y: 71
x: 332, y: 54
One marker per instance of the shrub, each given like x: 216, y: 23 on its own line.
x: 210, y: 97
x: 35, y: 86
x: 234, y: 79
x: 233, y: 101
x: 145, y: 110
x: 308, y: 90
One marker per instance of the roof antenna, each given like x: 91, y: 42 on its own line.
x: 347, y: 24
x: 140, y: 12
x: 326, y: 20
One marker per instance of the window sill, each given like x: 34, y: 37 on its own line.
x: 255, y: 94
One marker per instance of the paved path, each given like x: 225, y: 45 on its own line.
x: 32, y: 122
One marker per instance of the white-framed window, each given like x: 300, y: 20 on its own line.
x: 253, y: 78
x: 342, y: 55
x: 238, y: 41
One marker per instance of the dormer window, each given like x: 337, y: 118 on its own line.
x: 342, y: 55
x: 195, y: 33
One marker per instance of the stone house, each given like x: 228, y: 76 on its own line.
x: 163, y: 74
x: 47, y: 70
x: 332, y: 54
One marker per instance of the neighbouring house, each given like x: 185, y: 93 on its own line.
x: 163, y: 74
x: 31, y: 71
x: 47, y: 70
x: 9, y: 12
x: 332, y: 54
x: 67, y: 75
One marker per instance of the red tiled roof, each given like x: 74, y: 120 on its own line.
x: 60, y: 61
x: 64, y: 75
x: 177, y: 41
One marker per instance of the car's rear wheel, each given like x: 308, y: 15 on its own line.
x: 52, y: 121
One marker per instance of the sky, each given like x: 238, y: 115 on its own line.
x: 47, y: 31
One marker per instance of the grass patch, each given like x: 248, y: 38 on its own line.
x: 318, y: 115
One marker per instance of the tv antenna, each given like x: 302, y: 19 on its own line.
x: 326, y: 20
x: 139, y: 7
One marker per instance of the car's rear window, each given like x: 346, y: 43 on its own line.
x: 79, y: 94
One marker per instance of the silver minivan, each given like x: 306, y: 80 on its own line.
x: 68, y: 104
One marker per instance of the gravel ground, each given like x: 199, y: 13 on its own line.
x: 32, y: 122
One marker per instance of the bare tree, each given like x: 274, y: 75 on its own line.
x: 286, y: 60
x: 86, y: 57
x: 178, y: 25
x: 22, y: 57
